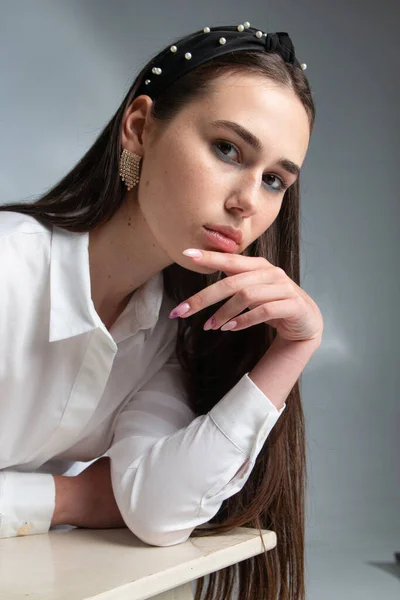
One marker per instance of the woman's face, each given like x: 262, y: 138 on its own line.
x: 196, y: 173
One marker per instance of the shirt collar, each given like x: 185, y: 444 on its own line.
x: 72, y: 311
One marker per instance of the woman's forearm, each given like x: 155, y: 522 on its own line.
x: 87, y: 500
x: 281, y: 366
x: 69, y: 502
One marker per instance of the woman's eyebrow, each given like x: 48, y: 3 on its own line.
x: 254, y: 142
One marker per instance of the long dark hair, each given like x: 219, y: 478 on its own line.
x: 273, y: 497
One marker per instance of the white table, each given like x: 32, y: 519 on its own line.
x: 113, y: 564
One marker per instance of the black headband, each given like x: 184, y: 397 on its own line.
x: 200, y: 47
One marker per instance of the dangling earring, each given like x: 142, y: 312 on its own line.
x: 129, y: 168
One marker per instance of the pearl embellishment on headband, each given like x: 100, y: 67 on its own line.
x: 222, y: 41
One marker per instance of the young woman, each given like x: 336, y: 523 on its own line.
x: 103, y: 306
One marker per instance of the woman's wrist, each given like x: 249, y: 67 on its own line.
x: 281, y: 366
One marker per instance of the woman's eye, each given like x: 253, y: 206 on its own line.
x: 223, y: 146
x: 282, y: 186
x: 226, y: 145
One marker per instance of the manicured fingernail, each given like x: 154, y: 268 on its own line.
x: 229, y: 326
x: 192, y: 252
x: 209, y: 324
x: 179, y: 310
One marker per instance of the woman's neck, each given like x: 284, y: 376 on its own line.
x: 123, y: 255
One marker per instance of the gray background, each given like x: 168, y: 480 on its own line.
x: 65, y: 67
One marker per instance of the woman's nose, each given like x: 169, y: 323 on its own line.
x: 246, y: 196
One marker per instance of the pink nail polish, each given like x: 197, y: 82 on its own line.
x: 229, y: 326
x: 179, y: 310
x: 192, y: 252
x: 209, y: 324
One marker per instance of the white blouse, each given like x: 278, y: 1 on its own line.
x: 71, y: 391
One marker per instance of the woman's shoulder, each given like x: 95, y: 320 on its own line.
x: 14, y: 223
x: 25, y: 248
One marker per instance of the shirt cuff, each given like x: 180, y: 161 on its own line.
x: 27, y: 503
x: 246, y: 416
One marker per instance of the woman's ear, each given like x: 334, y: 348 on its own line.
x: 136, y: 124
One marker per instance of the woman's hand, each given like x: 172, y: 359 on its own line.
x: 265, y: 289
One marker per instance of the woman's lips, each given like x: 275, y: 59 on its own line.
x: 221, y: 241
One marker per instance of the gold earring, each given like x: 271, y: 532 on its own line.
x: 129, y: 168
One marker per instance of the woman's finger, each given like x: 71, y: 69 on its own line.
x: 248, y: 297
x: 281, y: 309
x: 234, y: 263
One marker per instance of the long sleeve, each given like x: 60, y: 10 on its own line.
x: 27, y: 502
x: 171, y: 471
